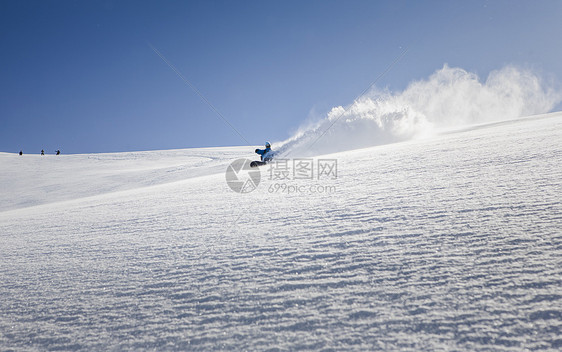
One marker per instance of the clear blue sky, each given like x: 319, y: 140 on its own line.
x: 81, y: 76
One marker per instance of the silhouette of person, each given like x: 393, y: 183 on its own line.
x: 21, y: 152
x: 42, y: 152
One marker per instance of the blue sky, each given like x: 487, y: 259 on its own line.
x: 81, y: 76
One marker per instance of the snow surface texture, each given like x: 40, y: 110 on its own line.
x: 446, y: 243
x: 449, y: 98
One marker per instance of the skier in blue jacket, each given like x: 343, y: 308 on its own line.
x: 266, y: 154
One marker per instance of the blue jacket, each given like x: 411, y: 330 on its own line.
x: 266, y: 154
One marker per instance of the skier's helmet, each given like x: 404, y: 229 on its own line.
x: 267, y: 145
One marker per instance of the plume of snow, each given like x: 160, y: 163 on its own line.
x: 450, y: 97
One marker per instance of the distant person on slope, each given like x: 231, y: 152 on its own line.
x: 266, y: 154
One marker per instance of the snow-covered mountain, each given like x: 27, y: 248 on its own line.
x: 32, y: 180
x: 452, y: 242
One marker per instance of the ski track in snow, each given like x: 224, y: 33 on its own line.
x: 451, y: 243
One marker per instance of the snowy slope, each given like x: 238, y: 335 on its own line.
x: 448, y: 243
x: 30, y: 180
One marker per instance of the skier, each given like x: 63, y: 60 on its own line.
x: 266, y: 155
x: 42, y: 152
x: 21, y: 152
